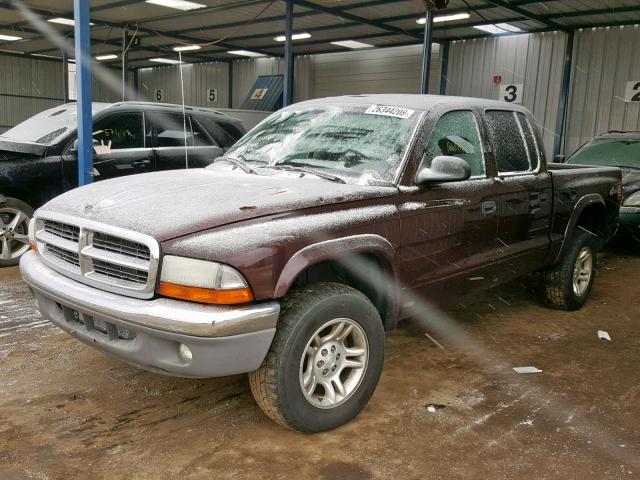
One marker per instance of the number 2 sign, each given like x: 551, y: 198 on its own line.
x: 511, y: 93
x: 633, y: 91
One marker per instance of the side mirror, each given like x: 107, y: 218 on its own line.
x: 444, y: 169
x: 559, y: 158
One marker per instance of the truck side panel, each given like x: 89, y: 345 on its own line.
x: 583, y: 197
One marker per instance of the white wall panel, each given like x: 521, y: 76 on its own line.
x: 27, y: 86
x: 198, y: 79
x: 604, y: 60
x: 382, y: 70
x: 30, y: 85
x: 534, y: 60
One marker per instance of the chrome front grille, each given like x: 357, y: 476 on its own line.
x: 99, y: 255
x: 119, y: 272
x: 68, y: 232
x: 122, y: 246
x: 65, y: 256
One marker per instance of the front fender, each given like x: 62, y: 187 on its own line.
x: 332, y: 250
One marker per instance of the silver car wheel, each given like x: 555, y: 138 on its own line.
x: 334, y: 363
x: 14, y: 233
x: 583, y: 271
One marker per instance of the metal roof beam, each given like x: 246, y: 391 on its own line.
x: 148, y: 31
x: 525, y: 13
x: 342, y: 13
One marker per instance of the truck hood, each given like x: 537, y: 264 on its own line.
x: 12, y: 149
x: 175, y: 203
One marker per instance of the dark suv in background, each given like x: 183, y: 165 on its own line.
x: 38, y: 158
x: 618, y: 149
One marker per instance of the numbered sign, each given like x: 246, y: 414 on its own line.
x: 158, y: 95
x: 511, y: 93
x: 259, y: 93
x: 633, y: 91
x: 212, y: 95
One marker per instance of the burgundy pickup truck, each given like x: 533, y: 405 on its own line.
x: 289, y: 257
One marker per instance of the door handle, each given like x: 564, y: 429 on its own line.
x: 488, y: 208
x: 140, y: 163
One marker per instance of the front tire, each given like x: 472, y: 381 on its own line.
x: 567, y: 285
x: 325, y: 360
x: 14, y: 231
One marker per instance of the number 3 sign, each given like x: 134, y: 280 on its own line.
x: 633, y: 91
x: 511, y: 93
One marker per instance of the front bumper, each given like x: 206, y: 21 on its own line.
x: 630, y: 221
x: 148, y: 333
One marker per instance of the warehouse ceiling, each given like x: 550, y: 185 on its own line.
x: 220, y: 26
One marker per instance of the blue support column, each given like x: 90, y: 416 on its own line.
x: 426, y: 53
x: 288, y: 56
x: 83, y: 86
x: 563, y: 102
x: 444, y: 80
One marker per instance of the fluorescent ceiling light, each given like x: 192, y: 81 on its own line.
x: 186, y: 48
x: 295, y: 36
x: 246, y: 53
x: 498, y: 28
x: 109, y: 56
x: 445, y: 18
x: 165, y: 60
x: 351, y: 44
x: 65, y: 21
x: 9, y: 38
x: 42, y: 55
x: 177, y: 4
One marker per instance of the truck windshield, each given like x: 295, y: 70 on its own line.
x: 357, y: 143
x: 610, y: 152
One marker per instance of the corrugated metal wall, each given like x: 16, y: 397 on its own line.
x: 245, y: 73
x: 604, y: 60
x: 383, y: 70
x: 30, y: 85
x: 27, y: 86
x: 534, y: 60
x: 199, y: 78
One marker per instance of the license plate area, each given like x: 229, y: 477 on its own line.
x: 109, y: 331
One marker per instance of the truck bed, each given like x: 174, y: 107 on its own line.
x: 573, y: 182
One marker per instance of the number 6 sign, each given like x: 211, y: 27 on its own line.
x: 511, y: 93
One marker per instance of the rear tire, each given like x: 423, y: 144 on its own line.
x: 325, y: 360
x: 14, y: 231
x: 567, y: 285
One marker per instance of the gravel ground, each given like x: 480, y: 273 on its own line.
x: 69, y: 411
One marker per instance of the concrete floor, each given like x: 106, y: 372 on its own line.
x: 68, y: 411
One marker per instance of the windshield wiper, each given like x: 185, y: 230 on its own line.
x: 291, y: 168
x: 241, y: 163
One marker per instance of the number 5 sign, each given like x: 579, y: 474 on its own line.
x: 511, y: 93
x: 633, y: 91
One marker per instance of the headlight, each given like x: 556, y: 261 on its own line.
x: 203, y: 282
x: 632, y: 200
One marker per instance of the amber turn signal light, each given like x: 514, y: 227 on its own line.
x: 34, y: 247
x: 205, y: 295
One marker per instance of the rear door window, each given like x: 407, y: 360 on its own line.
x: 224, y: 133
x: 201, y: 137
x: 169, y: 130
x: 507, y: 136
x: 530, y: 139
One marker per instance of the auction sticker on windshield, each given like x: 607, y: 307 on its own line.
x: 390, y: 111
